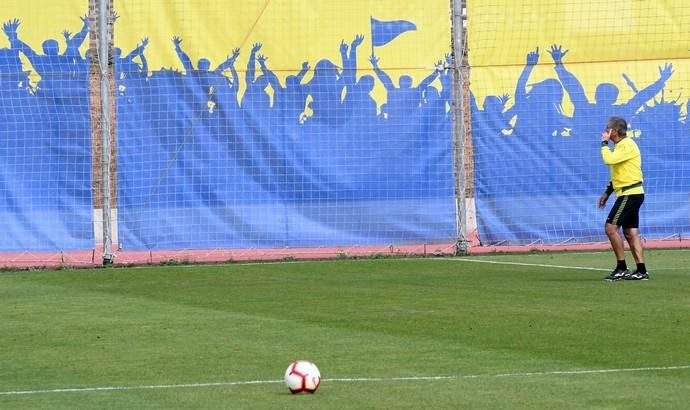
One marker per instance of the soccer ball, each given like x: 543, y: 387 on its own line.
x: 302, y: 376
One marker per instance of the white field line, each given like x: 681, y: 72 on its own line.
x: 538, y: 265
x: 344, y: 380
x: 412, y: 259
x: 296, y: 262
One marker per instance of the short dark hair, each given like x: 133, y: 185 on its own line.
x: 620, y: 125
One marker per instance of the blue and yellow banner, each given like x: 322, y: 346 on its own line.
x: 45, y: 128
x: 292, y: 123
x: 290, y: 32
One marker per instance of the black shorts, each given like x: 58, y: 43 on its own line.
x: 626, y: 211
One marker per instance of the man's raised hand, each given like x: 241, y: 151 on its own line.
x: 666, y: 72
x: 533, y: 57
x: 557, y: 53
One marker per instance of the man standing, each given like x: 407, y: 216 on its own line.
x: 625, y: 162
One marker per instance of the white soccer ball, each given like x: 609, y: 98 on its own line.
x: 302, y: 376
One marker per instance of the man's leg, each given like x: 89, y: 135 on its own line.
x: 633, y: 238
x: 621, y: 270
x: 616, y: 241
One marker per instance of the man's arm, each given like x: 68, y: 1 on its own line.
x: 303, y: 72
x: 509, y: 113
x: 144, y: 65
x: 521, y: 87
x: 609, y: 188
x: 229, y: 62
x: 617, y: 156
x: 10, y: 28
x: 251, y: 65
x: 570, y: 82
x: 344, y: 62
x: 605, y: 196
x: 430, y: 78
x: 350, y: 62
x: 648, y: 93
x: 75, y: 42
x: 139, y: 51
x: 446, y: 82
x: 24, y: 48
x: 270, y: 75
x: 184, y: 58
x: 383, y: 77
x: 623, y: 152
x: 235, y: 79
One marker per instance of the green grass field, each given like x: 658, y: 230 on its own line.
x: 504, y: 331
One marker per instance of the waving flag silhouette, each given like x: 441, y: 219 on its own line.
x: 383, y: 32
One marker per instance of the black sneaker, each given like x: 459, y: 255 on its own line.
x: 637, y: 276
x: 618, y: 274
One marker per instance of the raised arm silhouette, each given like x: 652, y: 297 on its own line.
x: 350, y: 60
x: 360, y: 104
x: 144, y: 68
x: 256, y: 101
x: 521, y: 87
x: 184, y: 58
x: 289, y: 101
x: 126, y: 67
x: 250, y: 75
x: 270, y: 75
x: 404, y: 99
x: 539, y: 112
x: 447, y: 82
x: 56, y: 70
x: 434, y: 101
x: 227, y: 90
x: 493, y: 120
x: 229, y: 63
x: 75, y: 42
x: 588, y: 116
x: 326, y: 90
x: 12, y: 76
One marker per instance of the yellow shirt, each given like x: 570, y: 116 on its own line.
x: 625, y: 162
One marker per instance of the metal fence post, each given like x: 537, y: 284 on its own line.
x: 104, y: 59
x: 458, y: 115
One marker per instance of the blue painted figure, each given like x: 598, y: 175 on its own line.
x: 57, y: 71
x: 539, y: 111
x: 126, y: 67
x: 403, y: 100
x: 588, y: 116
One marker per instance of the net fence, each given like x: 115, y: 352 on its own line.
x: 46, y: 152
x: 294, y: 124
x: 545, y: 79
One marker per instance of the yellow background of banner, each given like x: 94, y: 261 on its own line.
x: 604, y: 39
x: 291, y: 31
